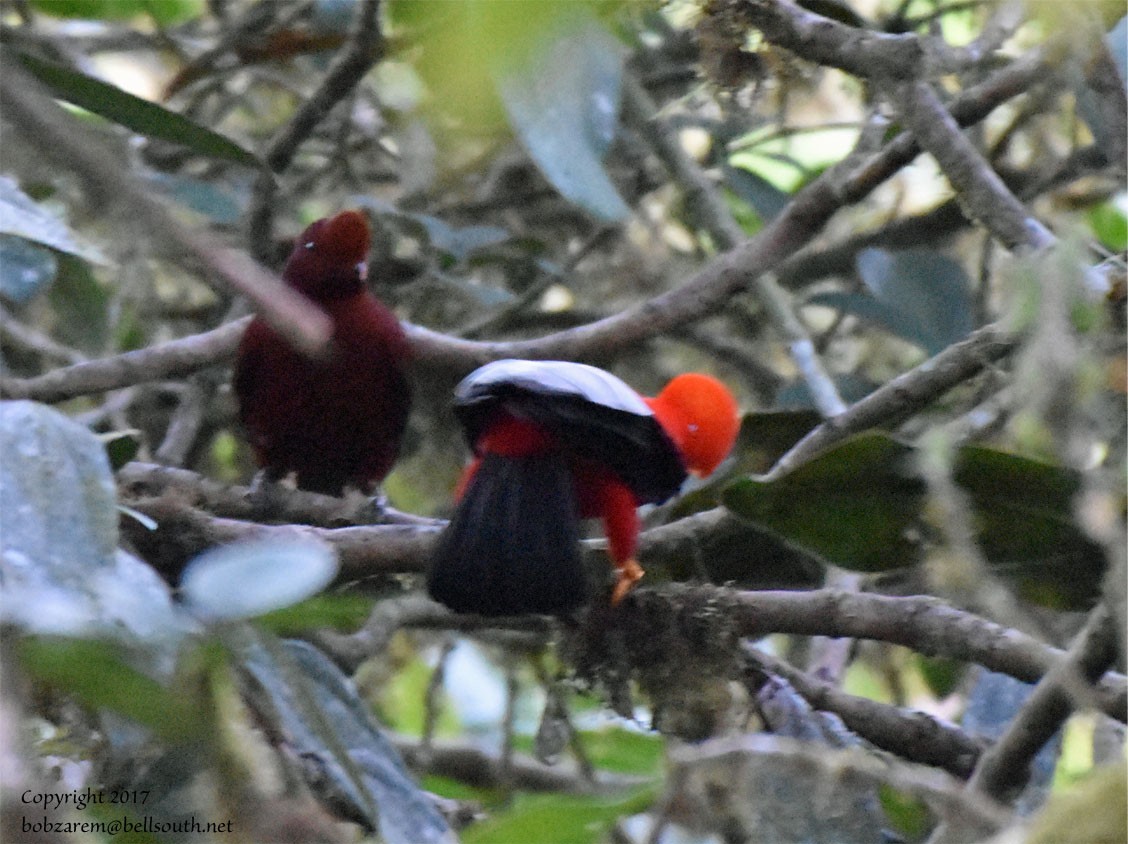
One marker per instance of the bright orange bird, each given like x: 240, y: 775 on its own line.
x: 556, y: 442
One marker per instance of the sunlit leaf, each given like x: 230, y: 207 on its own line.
x: 1110, y: 225
x: 1095, y: 809
x: 165, y: 12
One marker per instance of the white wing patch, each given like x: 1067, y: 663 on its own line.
x: 556, y: 377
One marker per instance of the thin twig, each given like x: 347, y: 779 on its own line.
x: 362, y: 51
x: 709, y: 208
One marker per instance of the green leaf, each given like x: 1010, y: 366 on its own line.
x: 909, y: 815
x: 1026, y: 527
x: 121, y: 446
x: 562, y: 97
x: 941, y: 675
x: 96, y: 673
x: 625, y: 751
x: 762, y: 195
x: 81, y: 306
x: 165, y: 12
x: 852, y: 505
x: 856, y: 506
x: 1110, y: 225
x: 135, y: 113
x: 561, y: 819
x: 918, y: 294
x: 344, y: 613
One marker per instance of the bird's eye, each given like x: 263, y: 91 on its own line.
x: 309, y: 245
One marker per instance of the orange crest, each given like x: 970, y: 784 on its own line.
x: 701, y: 416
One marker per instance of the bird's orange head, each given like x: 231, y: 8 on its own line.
x: 700, y: 415
x: 328, y: 260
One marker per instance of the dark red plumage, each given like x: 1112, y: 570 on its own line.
x: 336, y: 421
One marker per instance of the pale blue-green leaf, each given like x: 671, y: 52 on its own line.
x: 25, y: 268
x: 332, y: 15
x: 60, y: 569
x: 876, y: 312
x: 766, y: 198
x: 251, y: 578
x: 22, y: 216
x: 562, y: 100
x: 217, y: 204
x: 928, y: 289
x: 992, y: 704
x: 324, y: 718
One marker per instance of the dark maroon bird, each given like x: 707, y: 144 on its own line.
x: 337, y: 421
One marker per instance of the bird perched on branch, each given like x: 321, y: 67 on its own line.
x: 336, y: 421
x: 555, y: 442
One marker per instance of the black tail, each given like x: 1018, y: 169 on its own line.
x: 512, y: 546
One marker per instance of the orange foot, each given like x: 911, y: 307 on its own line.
x: 630, y: 573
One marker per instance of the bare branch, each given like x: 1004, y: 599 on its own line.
x: 906, y: 394
x: 707, y: 205
x: 163, y: 360
x: 910, y: 733
x: 1004, y: 769
x: 350, y: 66
x: 985, y: 196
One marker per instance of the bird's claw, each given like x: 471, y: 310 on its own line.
x: 629, y: 574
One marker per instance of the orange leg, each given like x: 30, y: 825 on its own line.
x: 630, y: 573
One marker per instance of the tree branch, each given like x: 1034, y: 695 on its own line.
x: 905, y: 395
x: 1004, y: 769
x: 909, y: 733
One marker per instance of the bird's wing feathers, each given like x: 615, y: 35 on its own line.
x: 594, y: 415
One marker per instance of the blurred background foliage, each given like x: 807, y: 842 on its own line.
x: 510, y: 198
